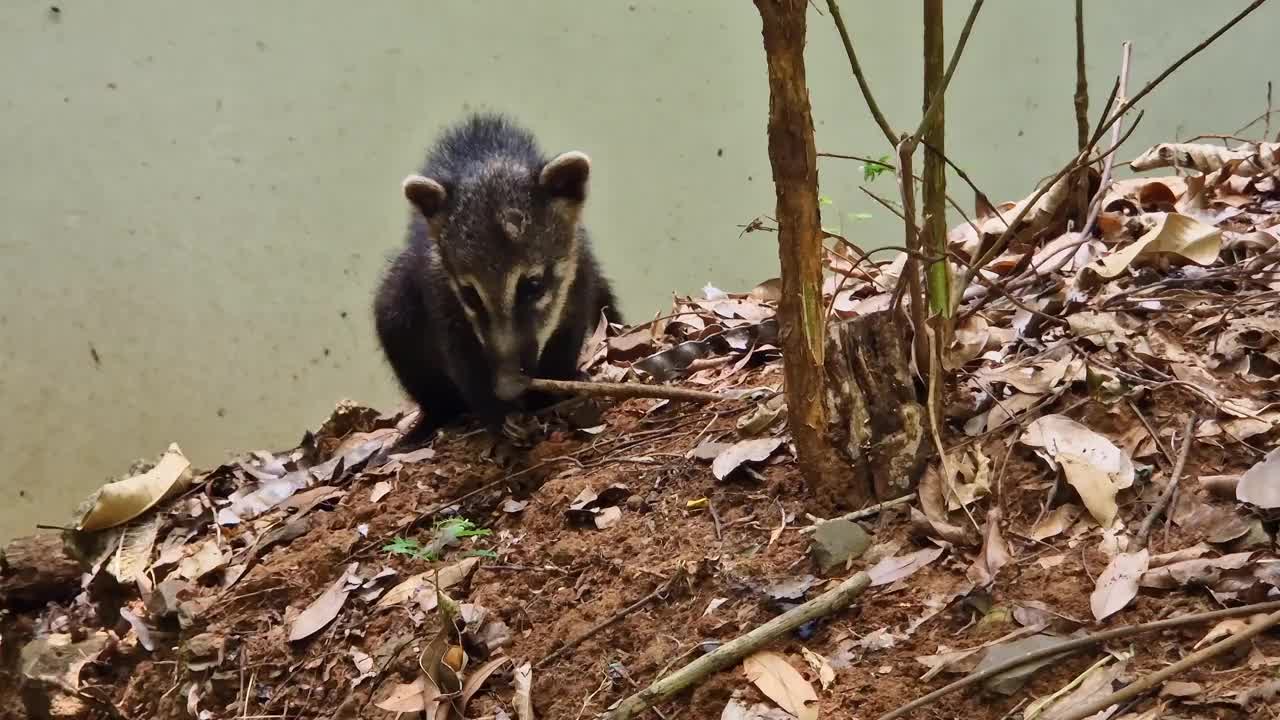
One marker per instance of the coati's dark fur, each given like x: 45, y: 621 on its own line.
x: 489, y: 205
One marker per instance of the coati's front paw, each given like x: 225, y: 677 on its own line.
x: 522, y: 429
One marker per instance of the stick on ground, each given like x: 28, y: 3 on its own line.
x: 735, y: 650
x: 1152, y: 681
x: 1166, y: 497
x: 1073, y: 645
x: 626, y: 390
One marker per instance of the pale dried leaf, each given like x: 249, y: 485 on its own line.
x: 324, y: 608
x: 119, y: 502
x: 523, y: 700
x: 1118, y: 584
x: 1174, y: 234
x: 1260, y: 484
x: 892, y: 569
x: 826, y: 675
x: 782, y: 683
x: 754, y: 450
x: 1095, y: 487
x: 405, y: 698
x: 1056, y: 521
x: 425, y: 583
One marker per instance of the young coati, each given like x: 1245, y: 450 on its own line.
x: 497, y: 282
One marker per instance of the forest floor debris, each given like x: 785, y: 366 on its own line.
x: 1113, y: 460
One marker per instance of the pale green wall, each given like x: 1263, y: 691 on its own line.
x: 204, y: 192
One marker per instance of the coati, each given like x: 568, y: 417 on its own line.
x: 497, y: 282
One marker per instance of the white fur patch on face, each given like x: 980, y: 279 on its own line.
x: 563, y: 272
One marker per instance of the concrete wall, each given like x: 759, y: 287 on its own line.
x: 197, y: 198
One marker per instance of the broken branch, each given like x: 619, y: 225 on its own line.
x: 626, y: 390
x: 856, y: 67
x: 1134, y: 689
x: 1076, y: 644
x: 735, y: 650
x: 1161, y: 504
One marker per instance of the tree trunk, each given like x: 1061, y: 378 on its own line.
x: 934, y: 173
x: 801, y: 311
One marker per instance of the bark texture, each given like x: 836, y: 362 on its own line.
x: 801, y: 311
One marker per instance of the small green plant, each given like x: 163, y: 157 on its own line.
x: 444, y: 533
x: 408, y: 547
x: 873, y: 170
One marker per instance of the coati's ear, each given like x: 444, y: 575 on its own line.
x: 565, y: 177
x: 426, y: 194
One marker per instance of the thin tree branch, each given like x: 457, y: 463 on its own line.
x: 626, y: 390
x: 936, y: 102
x: 1144, y: 531
x: 856, y: 67
x: 1172, y: 68
x: 1154, y: 680
x: 1078, y: 643
x: 1095, y: 207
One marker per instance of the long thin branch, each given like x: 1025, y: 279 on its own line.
x: 1082, y: 82
x: 936, y: 102
x: 856, y: 67
x: 1172, y: 68
x: 1154, y: 680
x: 1095, y: 207
x: 626, y: 390
x: 1077, y: 644
x: 1161, y: 504
x: 1103, y: 127
x: 735, y: 650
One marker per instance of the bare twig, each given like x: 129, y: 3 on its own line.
x: 1095, y: 207
x: 1144, y: 531
x: 735, y: 650
x: 863, y: 513
x: 1082, y: 83
x: 1172, y: 68
x: 591, y: 632
x: 626, y: 390
x: 856, y: 67
x: 1077, y: 644
x: 1154, y: 680
x: 936, y: 102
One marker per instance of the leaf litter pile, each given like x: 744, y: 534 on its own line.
x: 1111, y: 431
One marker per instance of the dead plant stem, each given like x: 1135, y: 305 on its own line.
x: 1144, y: 530
x: 1079, y: 643
x: 626, y: 390
x: 1154, y: 680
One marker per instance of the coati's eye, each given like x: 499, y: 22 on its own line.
x: 472, y: 299
x: 531, y: 288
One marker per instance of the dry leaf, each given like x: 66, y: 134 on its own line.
x: 1118, y: 584
x: 119, y: 502
x: 1056, y: 522
x: 755, y: 450
x: 380, y: 490
x: 56, y: 660
x: 781, y: 683
x: 1260, y: 484
x: 1204, y: 572
x: 1174, y: 234
x: 826, y: 675
x: 325, y: 608
x: 523, y: 700
x: 892, y: 569
x: 994, y: 554
x: 425, y: 581
x: 1095, y: 488
x: 406, y: 698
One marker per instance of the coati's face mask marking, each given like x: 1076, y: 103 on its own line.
x: 507, y: 240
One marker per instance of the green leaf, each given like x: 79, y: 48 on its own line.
x: 873, y: 170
